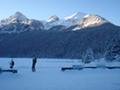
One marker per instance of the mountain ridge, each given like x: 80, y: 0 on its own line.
x: 82, y: 20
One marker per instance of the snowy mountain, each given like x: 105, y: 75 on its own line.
x: 19, y: 23
x: 90, y: 21
x: 53, y: 19
x: 75, y: 16
x: 80, y: 20
x: 74, y: 19
x: 66, y: 21
x: 17, y: 17
x: 56, y: 37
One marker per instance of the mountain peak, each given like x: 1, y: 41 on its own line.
x: 77, y: 15
x: 53, y: 18
x: 94, y: 16
x: 92, y: 20
x: 19, y: 16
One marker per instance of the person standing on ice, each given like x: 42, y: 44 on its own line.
x: 12, y: 63
x: 34, y: 61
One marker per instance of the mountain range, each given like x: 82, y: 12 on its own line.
x: 19, y: 22
x: 56, y: 37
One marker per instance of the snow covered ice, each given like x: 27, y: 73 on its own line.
x: 48, y: 76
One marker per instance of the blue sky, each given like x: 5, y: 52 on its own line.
x: 42, y: 9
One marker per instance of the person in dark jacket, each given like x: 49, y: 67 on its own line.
x: 12, y: 63
x: 34, y: 61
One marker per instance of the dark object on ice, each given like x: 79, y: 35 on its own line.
x: 0, y: 70
x: 91, y: 67
x: 8, y: 70
x: 108, y: 67
x: 66, y: 68
x: 34, y: 61
x: 74, y: 67
x: 12, y: 63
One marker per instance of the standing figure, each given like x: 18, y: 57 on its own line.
x: 34, y: 61
x: 12, y: 63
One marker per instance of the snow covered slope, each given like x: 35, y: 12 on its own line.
x: 92, y: 20
x: 74, y: 19
x: 48, y: 76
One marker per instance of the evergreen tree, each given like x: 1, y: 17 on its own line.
x: 113, y: 50
x: 88, y: 56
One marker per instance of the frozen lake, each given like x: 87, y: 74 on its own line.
x: 48, y: 76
